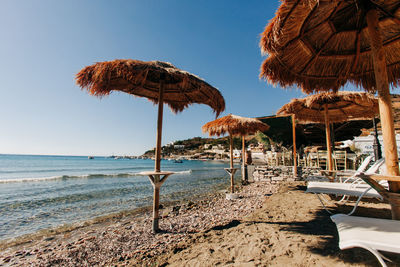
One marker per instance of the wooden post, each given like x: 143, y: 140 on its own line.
x: 156, y: 203
x: 385, y: 103
x: 157, y: 167
x: 243, y: 158
x: 159, y: 127
x: 328, y: 139
x: 157, y: 181
x: 232, y: 173
x: 231, y: 151
x: 294, y: 146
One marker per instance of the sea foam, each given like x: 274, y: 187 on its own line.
x: 83, y: 176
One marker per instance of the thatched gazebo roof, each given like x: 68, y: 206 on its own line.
x: 140, y: 78
x: 320, y: 45
x: 234, y: 125
x: 342, y: 106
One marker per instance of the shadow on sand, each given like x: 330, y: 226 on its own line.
x: 320, y: 224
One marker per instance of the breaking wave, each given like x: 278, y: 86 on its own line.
x: 84, y: 176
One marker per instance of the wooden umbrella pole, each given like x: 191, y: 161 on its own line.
x: 385, y: 103
x: 159, y: 127
x: 328, y: 139
x: 243, y: 158
x: 156, y: 203
x: 232, y: 173
x: 294, y: 146
x: 157, y: 168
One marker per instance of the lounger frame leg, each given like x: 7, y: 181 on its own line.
x: 376, y: 253
x: 358, y: 201
x: 355, y: 206
x: 323, y: 205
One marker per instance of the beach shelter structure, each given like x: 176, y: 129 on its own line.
x: 235, y: 126
x: 321, y: 45
x: 281, y: 129
x: 329, y: 108
x: 160, y: 82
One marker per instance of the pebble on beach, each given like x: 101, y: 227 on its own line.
x: 130, y: 238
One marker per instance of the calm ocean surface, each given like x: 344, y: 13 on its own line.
x: 40, y: 192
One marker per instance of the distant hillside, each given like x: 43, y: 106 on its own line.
x: 196, y: 145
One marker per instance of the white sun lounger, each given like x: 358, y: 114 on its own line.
x: 368, y: 233
x: 350, y: 174
x: 357, y: 188
x: 362, y: 168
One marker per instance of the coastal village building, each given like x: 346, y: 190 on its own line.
x: 237, y: 153
x: 256, y: 148
x: 365, y: 142
x: 207, y: 146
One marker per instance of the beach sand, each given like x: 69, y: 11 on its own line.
x: 287, y: 228
x: 126, y: 238
x: 291, y: 229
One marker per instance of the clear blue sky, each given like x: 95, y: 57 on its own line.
x: 44, y: 43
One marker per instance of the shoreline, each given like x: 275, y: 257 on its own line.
x: 139, y: 212
x: 133, y: 227
x: 44, y: 218
x: 270, y: 224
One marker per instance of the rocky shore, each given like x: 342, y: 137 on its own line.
x: 127, y: 239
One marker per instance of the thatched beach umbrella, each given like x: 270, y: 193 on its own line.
x: 321, y: 45
x: 234, y: 126
x: 330, y: 108
x: 160, y: 82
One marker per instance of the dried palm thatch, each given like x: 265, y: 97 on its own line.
x: 143, y: 79
x: 320, y: 45
x: 234, y: 125
x: 332, y: 107
x: 342, y: 106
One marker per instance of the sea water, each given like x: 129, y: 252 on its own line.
x: 41, y: 192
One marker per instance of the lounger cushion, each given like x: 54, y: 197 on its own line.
x: 341, y: 189
x: 377, y: 234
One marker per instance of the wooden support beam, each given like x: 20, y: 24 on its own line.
x: 243, y: 158
x: 157, y: 180
x: 231, y: 172
x: 385, y: 103
x: 231, y: 162
x: 391, y: 178
x: 157, y: 167
x: 328, y: 139
x: 379, y: 188
x: 294, y: 146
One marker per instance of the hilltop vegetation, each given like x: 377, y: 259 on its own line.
x: 196, y: 145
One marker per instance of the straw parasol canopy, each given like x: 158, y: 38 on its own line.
x: 320, y: 45
x: 160, y: 82
x: 143, y: 79
x: 342, y: 106
x: 235, y: 126
x: 330, y: 108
